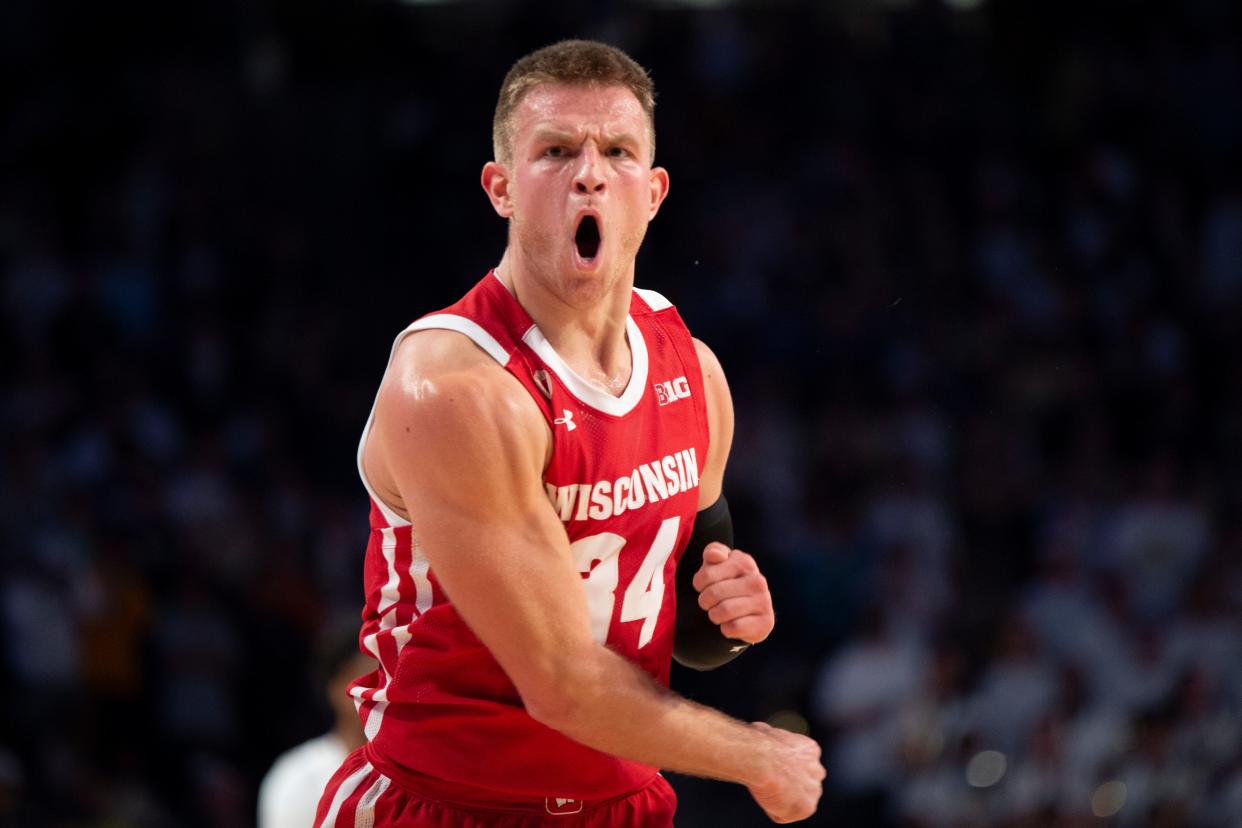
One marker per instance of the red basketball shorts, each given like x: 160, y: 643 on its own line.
x: 359, y: 794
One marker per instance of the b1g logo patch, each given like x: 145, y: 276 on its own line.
x: 671, y: 391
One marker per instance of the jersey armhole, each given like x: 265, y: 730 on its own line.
x: 437, y: 321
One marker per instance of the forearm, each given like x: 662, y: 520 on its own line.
x: 614, y: 707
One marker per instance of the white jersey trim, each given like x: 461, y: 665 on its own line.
x: 390, y: 593
x: 374, y: 719
x: 585, y: 392
x: 472, y: 329
x: 364, y: 814
x: 654, y: 300
x: 439, y: 321
x: 348, y: 786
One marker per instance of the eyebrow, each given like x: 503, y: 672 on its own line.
x: 553, y: 134
x: 566, y: 136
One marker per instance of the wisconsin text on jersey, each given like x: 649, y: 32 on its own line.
x: 648, y: 483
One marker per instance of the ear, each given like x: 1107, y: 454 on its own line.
x: 495, y: 182
x: 658, y: 185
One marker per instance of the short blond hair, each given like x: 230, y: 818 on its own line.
x: 569, y: 62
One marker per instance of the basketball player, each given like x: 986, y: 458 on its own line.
x: 544, y: 460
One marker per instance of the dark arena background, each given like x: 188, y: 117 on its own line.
x: 974, y: 269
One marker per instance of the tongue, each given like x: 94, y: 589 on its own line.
x: 587, y: 238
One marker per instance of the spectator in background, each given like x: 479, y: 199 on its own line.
x: 290, y: 790
x: 1016, y: 690
x: 859, y: 694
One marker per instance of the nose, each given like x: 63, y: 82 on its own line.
x: 589, y: 177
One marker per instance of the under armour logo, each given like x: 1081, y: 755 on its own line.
x: 567, y: 420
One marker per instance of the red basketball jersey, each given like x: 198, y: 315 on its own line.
x: 624, y: 479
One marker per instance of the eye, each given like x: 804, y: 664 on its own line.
x: 618, y: 152
x: 555, y: 152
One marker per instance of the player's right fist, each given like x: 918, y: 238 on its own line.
x: 790, y: 789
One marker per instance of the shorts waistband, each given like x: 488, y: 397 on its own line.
x: 469, y: 798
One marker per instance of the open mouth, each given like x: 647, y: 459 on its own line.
x: 587, y: 238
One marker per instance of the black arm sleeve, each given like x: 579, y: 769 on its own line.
x: 698, y: 642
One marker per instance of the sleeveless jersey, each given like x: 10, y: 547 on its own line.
x: 623, y: 478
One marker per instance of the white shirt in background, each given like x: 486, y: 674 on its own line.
x: 290, y: 792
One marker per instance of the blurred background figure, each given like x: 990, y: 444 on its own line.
x: 974, y: 265
x: 290, y: 791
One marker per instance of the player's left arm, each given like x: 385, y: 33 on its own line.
x: 723, y: 602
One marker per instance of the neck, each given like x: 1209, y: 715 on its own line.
x: 584, y: 321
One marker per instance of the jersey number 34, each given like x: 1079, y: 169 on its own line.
x: 598, y: 557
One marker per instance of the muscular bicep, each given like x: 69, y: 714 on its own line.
x: 466, y: 451
x: 719, y: 423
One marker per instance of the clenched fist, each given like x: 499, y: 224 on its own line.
x: 735, y: 594
x: 789, y: 791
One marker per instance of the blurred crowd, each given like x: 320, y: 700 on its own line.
x: 975, y: 276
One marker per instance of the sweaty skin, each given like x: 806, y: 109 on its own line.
x: 450, y: 421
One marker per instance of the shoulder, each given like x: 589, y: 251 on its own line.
x: 719, y: 400
x: 708, y: 363
x: 433, y: 352
x: 445, y: 373
x: 449, y: 415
